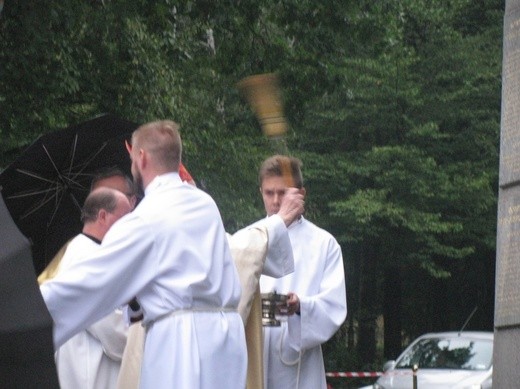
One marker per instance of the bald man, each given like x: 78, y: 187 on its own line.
x: 92, y: 358
x: 112, y: 178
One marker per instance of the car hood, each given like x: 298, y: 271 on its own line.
x: 433, y: 378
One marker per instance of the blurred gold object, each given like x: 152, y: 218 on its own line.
x: 262, y: 91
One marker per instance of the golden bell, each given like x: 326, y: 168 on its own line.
x: 263, y: 94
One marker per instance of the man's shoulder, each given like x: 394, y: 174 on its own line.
x: 79, y: 247
x: 78, y: 239
x: 260, y: 223
x: 176, y: 196
x: 256, y: 223
x: 315, y: 229
x: 79, y: 242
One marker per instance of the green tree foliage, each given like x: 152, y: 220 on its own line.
x: 424, y: 181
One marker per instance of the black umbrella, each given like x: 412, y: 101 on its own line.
x: 45, y: 187
x: 26, y: 348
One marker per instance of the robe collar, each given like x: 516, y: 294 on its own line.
x: 296, y: 222
x: 163, y: 179
x: 96, y: 240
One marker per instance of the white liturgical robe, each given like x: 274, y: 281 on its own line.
x: 266, y: 249
x: 171, y: 252
x: 91, y: 359
x: 292, y: 352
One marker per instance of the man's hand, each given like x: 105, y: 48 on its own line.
x: 292, y: 206
x: 135, y: 312
x: 293, y: 304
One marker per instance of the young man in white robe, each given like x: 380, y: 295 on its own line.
x: 91, y: 359
x: 316, y: 291
x: 171, y: 253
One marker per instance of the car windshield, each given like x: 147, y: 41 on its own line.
x: 449, y: 353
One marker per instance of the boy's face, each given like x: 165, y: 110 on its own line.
x: 273, y: 189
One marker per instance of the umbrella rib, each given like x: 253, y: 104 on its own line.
x: 38, y: 206
x: 88, y: 161
x: 74, y: 146
x: 52, y: 161
x: 56, y: 206
x: 66, y: 178
x: 34, y: 175
x: 75, y: 201
x: 28, y: 194
x: 71, y: 180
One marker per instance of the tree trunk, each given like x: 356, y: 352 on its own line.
x: 392, y: 313
x: 367, y: 313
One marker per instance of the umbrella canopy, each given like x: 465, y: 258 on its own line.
x: 45, y: 187
x: 26, y: 347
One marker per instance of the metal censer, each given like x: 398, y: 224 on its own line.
x: 274, y: 305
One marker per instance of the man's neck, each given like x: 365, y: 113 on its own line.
x: 92, y: 232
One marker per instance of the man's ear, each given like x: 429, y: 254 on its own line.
x: 128, y: 147
x: 133, y: 201
x: 102, y: 214
x: 143, y: 158
x: 303, y: 191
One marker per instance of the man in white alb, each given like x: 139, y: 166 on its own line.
x: 91, y: 359
x: 262, y: 249
x: 316, y: 291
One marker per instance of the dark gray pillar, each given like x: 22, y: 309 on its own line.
x: 26, y: 347
x: 506, y: 355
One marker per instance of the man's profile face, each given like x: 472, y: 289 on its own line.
x: 136, y: 173
x: 272, y: 189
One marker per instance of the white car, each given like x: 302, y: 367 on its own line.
x: 444, y: 360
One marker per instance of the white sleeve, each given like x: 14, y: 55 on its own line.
x: 111, y: 331
x: 321, y: 314
x: 280, y: 260
x: 91, y: 289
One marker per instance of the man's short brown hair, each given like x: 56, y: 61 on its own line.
x: 274, y: 167
x: 162, y: 140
